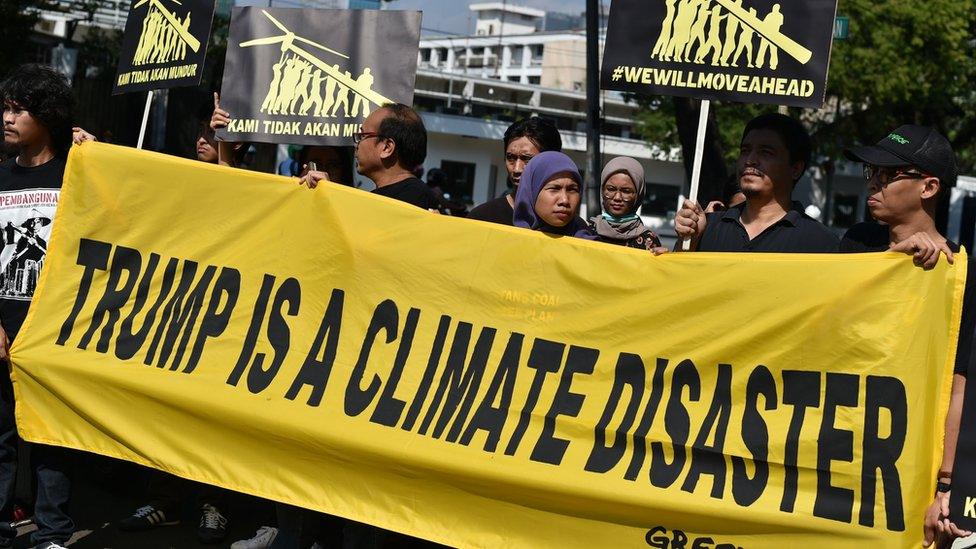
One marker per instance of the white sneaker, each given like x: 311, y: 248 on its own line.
x: 261, y: 540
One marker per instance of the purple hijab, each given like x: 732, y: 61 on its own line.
x: 538, y: 171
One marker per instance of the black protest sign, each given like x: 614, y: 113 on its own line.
x: 309, y: 76
x: 751, y: 51
x: 165, y: 44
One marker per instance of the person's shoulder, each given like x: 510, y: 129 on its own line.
x: 816, y: 228
x: 412, y: 183
x: 866, y: 229
x: 488, y: 211
x: 865, y: 237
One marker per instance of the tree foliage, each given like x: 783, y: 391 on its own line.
x: 17, y: 18
x: 905, y: 62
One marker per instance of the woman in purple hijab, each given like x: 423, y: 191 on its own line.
x: 548, y: 196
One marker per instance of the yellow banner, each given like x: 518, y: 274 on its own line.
x: 481, y: 385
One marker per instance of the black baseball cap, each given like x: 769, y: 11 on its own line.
x: 910, y: 145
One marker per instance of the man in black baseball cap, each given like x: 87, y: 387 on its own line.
x: 906, y: 173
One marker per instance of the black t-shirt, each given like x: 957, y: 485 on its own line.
x: 865, y: 237
x: 796, y: 232
x: 495, y: 211
x: 412, y: 191
x: 871, y: 237
x: 28, y: 200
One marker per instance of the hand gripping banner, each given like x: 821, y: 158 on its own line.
x: 479, y: 385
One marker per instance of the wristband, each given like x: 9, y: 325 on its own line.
x: 943, y: 487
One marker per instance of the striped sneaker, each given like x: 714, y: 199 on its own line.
x: 146, y: 518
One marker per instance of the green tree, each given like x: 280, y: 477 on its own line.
x: 905, y: 62
x: 17, y: 19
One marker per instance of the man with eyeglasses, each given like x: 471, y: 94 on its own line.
x: 906, y: 174
x: 392, y: 142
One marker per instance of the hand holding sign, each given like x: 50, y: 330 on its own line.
x: 690, y: 222
x: 220, y: 117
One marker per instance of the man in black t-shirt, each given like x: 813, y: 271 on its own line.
x: 906, y: 173
x: 523, y: 140
x: 393, y: 141
x: 773, y: 155
x: 37, y: 123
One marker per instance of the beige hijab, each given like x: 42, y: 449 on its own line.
x: 630, y: 225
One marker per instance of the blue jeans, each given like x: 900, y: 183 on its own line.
x: 53, y: 488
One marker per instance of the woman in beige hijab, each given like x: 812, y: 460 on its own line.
x: 622, y: 189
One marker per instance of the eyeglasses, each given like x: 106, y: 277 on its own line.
x: 609, y: 191
x: 885, y: 176
x: 358, y: 137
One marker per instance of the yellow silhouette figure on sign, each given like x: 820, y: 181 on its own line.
x: 714, y: 41
x: 773, y: 20
x: 745, y: 43
x: 731, y: 28
x: 665, y: 36
x: 164, y: 36
x: 692, y: 30
x: 298, y: 77
x: 698, y: 30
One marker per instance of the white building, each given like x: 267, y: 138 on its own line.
x: 507, y: 45
x: 110, y: 14
x: 962, y: 213
x: 498, y: 18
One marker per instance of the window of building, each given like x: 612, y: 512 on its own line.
x: 660, y: 200
x: 535, y: 80
x: 425, y: 56
x: 461, y: 175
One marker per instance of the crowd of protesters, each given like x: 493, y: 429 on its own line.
x: 905, y: 172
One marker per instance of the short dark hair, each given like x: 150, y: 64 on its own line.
x: 790, y: 130
x: 405, y: 127
x: 540, y: 131
x: 46, y: 95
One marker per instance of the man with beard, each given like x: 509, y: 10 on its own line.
x: 773, y: 155
x: 523, y: 140
x: 37, y: 111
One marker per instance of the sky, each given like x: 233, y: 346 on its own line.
x: 448, y: 15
